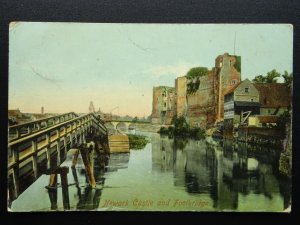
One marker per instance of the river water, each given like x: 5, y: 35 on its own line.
x: 171, y: 175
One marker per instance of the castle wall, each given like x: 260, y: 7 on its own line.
x: 201, y: 105
x: 163, y: 105
x: 204, y: 107
x: 180, y: 100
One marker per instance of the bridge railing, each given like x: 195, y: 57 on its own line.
x: 45, y: 150
x: 25, y: 129
x: 25, y: 147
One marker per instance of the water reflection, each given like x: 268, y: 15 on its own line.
x: 229, y: 176
x: 88, y: 197
x: 226, y: 171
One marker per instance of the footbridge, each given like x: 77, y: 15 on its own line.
x: 39, y: 147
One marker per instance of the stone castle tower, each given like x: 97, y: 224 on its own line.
x: 163, y: 105
x: 228, y: 68
x: 203, y: 107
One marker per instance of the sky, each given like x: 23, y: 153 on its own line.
x: 64, y: 66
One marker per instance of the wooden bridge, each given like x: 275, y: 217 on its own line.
x: 39, y: 147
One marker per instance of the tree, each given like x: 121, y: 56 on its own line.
x: 271, y: 76
x: 259, y: 79
x: 181, y: 127
x: 288, y: 78
x: 193, y: 78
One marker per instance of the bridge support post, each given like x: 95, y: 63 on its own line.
x: 71, y: 139
x: 64, y: 184
x: 15, y: 177
x: 18, y: 133
x: 52, y: 180
x: 53, y: 198
x: 65, y: 144
x: 74, y: 161
x: 74, y: 172
x: 86, y: 160
x: 52, y: 187
x: 58, y: 151
x: 52, y: 190
x: 34, y: 158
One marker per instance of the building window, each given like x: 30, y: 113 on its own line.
x: 251, y: 100
x: 234, y: 81
x: 246, y: 90
x: 165, y: 104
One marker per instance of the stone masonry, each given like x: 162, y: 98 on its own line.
x: 205, y: 106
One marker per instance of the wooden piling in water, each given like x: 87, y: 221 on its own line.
x: 53, y: 198
x: 64, y: 184
x: 89, y: 171
x: 74, y: 161
x: 52, y: 180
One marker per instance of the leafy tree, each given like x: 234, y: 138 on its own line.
x: 272, y: 76
x: 196, y: 72
x: 288, y: 78
x: 237, y: 64
x: 259, y: 79
x: 180, y: 125
x: 193, y: 78
x: 135, y: 119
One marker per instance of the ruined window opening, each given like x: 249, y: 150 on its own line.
x: 251, y: 99
x: 165, y: 104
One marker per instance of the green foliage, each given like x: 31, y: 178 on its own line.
x: 288, y: 78
x: 284, y: 119
x: 259, y: 79
x: 164, y: 130
x: 197, y: 72
x: 237, y: 64
x: 180, y: 125
x: 180, y: 128
x: 193, y: 78
x: 271, y: 77
x: 135, y: 119
x: 180, y: 143
x: 137, y: 141
x: 197, y: 133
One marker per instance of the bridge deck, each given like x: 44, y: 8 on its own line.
x: 29, y: 153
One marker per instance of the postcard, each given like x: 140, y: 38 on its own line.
x: 150, y: 117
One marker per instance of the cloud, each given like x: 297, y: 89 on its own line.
x: 179, y: 69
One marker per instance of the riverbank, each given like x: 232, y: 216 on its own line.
x: 137, y: 142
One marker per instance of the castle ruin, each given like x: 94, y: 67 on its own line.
x: 204, y: 106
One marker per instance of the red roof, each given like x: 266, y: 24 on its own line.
x: 273, y: 94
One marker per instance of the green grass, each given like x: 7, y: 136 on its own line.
x: 137, y: 142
